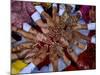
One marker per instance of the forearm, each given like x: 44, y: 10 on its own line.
x: 22, y: 54
x: 37, y: 19
x: 90, y: 26
x: 76, y: 33
x: 27, y: 34
x: 45, y: 15
x: 29, y: 28
x: 54, y: 11
x: 40, y: 23
x: 72, y: 54
x: 82, y: 26
x: 79, y: 27
x: 22, y: 46
x: 55, y: 65
x: 33, y: 31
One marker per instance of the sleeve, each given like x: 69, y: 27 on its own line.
x: 91, y: 26
x: 73, y: 8
x: 39, y: 9
x: 36, y: 16
x: 61, y: 10
x: 26, y: 27
x: 28, y: 69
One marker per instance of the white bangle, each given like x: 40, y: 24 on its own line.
x: 93, y: 39
x: 91, y: 26
x: 61, y: 10
x: 39, y: 9
x: 54, y: 5
x: 36, y: 16
x: 26, y: 27
x: 73, y: 8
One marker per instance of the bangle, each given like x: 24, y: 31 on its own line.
x: 54, y: 5
x: 39, y: 9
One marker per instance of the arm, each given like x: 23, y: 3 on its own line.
x: 45, y: 15
x: 72, y: 54
x: 37, y: 19
x: 15, y: 56
x: 53, y: 59
x: 23, y: 46
x: 90, y: 26
x: 36, y: 60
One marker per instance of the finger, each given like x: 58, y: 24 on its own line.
x: 54, y: 11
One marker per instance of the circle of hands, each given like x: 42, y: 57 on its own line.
x: 59, y: 34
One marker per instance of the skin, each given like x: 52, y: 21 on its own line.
x: 92, y: 14
x: 54, y: 60
x: 23, y: 46
x: 40, y: 56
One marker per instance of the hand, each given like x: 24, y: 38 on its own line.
x: 13, y: 28
x: 41, y: 55
x: 64, y: 42
x: 45, y: 30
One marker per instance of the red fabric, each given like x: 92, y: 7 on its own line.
x: 85, y: 12
x: 21, y: 12
x: 87, y: 59
x: 71, y: 68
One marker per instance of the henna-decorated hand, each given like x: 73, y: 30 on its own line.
x: 40, y: 56
x: 40, y: 37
